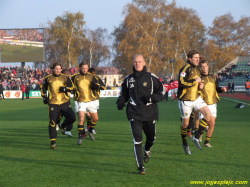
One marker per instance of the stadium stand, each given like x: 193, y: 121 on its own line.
x: 238, y: 71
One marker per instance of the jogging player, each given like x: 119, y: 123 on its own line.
x: 84, y: 84
x: 142, y: 90
x: 58, y: 85
x: 210, y: 89
x: 97, y: 95
x: 67, y: 129
x: 189, y: 99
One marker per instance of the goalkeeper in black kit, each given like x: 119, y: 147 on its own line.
x: 58, y: 85
x: 142, y: 90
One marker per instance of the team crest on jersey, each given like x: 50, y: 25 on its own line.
x: 132, y: 79
x: 132, y: 86
x: 183, y: 74
x: 145, y: 84
x: 51, y: 108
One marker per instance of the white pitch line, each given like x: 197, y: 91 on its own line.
x: 235, y: 100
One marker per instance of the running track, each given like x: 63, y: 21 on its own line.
x: 238, y: 96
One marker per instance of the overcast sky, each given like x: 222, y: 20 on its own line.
x: 103, y: 13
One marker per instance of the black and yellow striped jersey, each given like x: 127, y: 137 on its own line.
x: 211, y: 87
x: 102, y: 87
x: 188, y: 87
x: 82, y: 85
x: 52, y: 83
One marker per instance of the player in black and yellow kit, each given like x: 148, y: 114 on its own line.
x: 57, y: 85
x: 67, y: 129
x: 189, y: 98
x: 209, y: 89
x: 84, y: 83
x: 97, y: 95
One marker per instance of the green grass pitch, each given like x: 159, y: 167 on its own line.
x: 17, y: 53
x: 27, y: 160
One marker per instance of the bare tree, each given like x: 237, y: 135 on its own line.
x: 97, y: 46
x: 64, y: 36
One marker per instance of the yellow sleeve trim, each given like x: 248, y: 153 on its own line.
x: 182, y: 78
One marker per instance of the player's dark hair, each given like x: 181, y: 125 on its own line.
x: 83, y: 63
x: 64, y: 71
x: 55, y: 64
x: 203, y: 61
x: 202, y: 58
x: 91, y: 70
x: 191, y: 54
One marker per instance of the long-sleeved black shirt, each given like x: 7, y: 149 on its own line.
x: 135, y: 88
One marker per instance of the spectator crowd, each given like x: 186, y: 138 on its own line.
x: 13, y: 77
x: 20, y: 35
x: 228, y: 73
